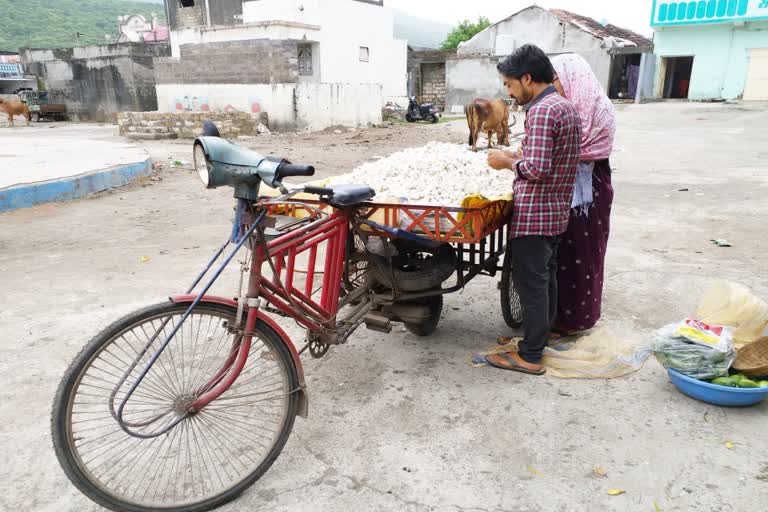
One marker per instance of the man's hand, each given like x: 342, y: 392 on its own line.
x: 501, y: 160
x: 516, y: 154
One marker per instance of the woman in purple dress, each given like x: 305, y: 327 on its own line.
x: 583, y: 246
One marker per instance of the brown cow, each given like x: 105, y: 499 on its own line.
x: 15, y: 108
x: 488, y: 116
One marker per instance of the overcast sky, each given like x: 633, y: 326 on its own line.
x: 632, y: 14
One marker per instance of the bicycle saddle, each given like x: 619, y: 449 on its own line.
x: 350, y: 195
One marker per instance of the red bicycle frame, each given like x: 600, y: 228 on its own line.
x: 327, y: 235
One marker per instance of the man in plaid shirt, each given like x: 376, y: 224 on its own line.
x: 546, y: 172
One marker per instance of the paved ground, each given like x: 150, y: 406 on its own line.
x: 49, y: 151
x: 401, y: 423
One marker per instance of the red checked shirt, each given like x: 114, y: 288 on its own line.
x: 547, y: 172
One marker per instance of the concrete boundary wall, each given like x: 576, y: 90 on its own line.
x: 188, y: 125
x: 25, y: 196
x: 97, y: 82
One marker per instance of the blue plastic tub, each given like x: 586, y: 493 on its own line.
x: 714, y: 394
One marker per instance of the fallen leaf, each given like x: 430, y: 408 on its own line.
x: 144, y: 259
x: 534, y: 471
x: 730, y: 445
x: 616, y: 492
x: 598, y: 471
x: 656, y: 507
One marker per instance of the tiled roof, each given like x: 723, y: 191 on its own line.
x: 602, y: 31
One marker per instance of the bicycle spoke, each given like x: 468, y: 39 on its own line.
x: 204, y: 374
x: 239, y: 426
x: 148, y: 382
x: 211, y: 452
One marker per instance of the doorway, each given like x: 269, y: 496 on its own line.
x: 677, y: 77
x: 433, y: 84
x: 625, y: 75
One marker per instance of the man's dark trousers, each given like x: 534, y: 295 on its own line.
x: 534, y: 270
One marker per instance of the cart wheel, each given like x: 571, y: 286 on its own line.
x: 357, y: 270
x: 511, y: 307
x: 430, y: 325
x: 409, y: 118
x: 435, y: 119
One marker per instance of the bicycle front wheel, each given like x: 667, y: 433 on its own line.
x: 209, y: 457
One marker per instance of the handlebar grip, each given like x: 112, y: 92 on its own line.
x: 320, y: 191
x: 287, y: 170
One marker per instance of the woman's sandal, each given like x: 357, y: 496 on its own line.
x: 557, y: 333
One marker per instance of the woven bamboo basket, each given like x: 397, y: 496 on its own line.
x: 752, y: 359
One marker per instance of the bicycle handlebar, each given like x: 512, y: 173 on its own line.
x: 288, y: 170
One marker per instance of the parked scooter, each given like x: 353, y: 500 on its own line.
x: 423, y: 112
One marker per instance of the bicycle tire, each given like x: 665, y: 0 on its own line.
x: 511, y: 307
x: 63, y: 444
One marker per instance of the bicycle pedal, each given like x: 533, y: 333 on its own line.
x: 378, y: 323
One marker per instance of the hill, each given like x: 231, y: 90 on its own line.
x: 54, y: 23
x: 418, y: 31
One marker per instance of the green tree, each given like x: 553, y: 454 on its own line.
x: 465, y: 31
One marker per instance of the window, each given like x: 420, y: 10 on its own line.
x: 187, y: 3
x: 365, y: 54
x: 305, y: 59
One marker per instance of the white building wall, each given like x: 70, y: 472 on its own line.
x: 467, y: 79
x: 340, y: 27
x: 305, y: 106
x: 297, y: 11
x: 345, y: 26
x: 275, y: 99
x: 322, y: 105
x: 547, y: 31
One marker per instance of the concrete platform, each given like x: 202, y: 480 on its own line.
x: 50, y: 162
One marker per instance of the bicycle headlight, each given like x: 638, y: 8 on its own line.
x: 202, y: 165
x: 221, y: 163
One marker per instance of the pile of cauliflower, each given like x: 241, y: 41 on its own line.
x: 436, y: 174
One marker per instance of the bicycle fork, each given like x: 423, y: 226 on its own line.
x: 232, y: 367
x: 230, y: 371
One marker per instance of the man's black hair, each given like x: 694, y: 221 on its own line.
x: 528, y: 60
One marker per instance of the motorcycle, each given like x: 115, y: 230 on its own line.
x: 423, y: 112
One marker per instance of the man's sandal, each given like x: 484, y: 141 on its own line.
x: 513, y: 362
